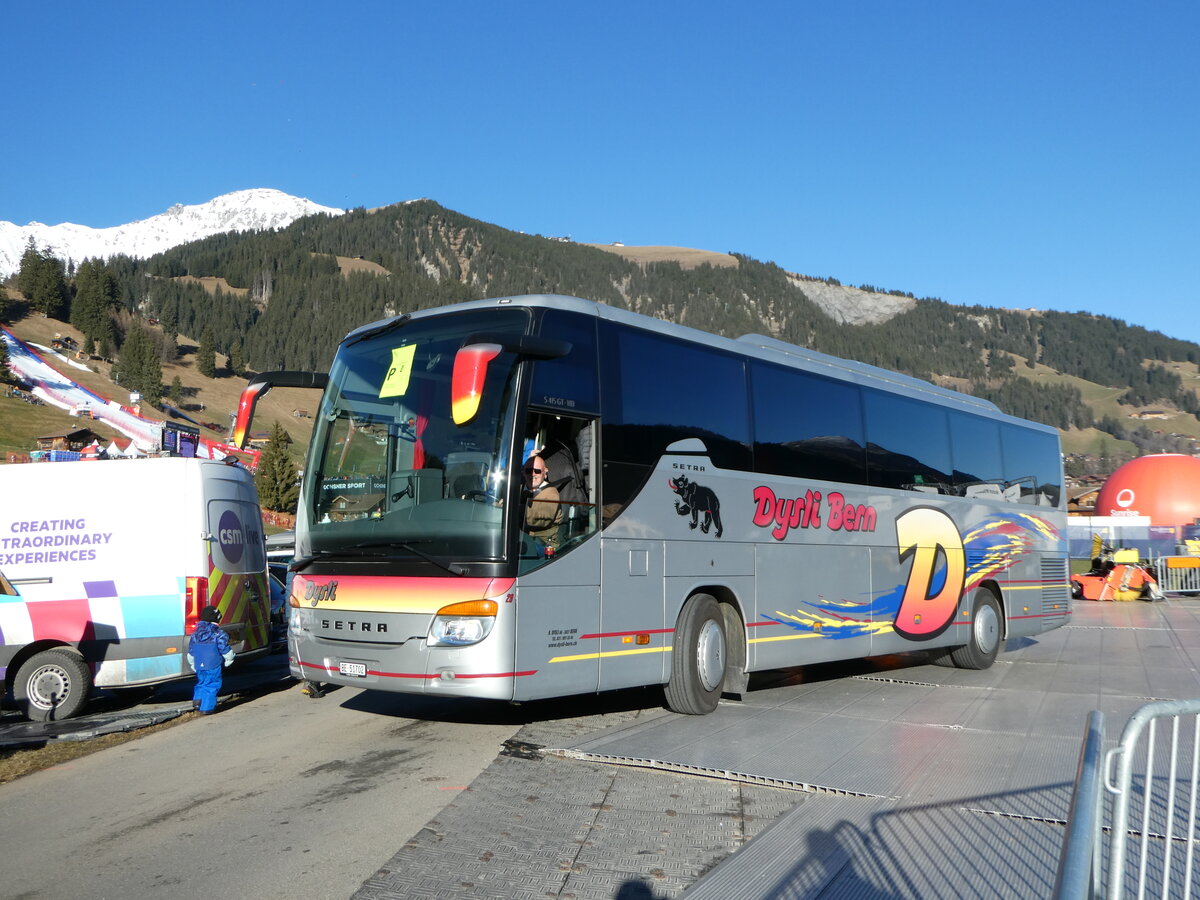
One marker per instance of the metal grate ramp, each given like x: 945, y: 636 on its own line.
x: 917, y: 780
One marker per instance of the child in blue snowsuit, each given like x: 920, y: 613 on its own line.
x: 208, y: 652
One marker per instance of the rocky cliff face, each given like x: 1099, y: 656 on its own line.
x: 852, y: 306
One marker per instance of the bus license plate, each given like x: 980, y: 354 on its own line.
x: 358, y: 670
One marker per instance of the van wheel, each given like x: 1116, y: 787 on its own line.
x: 52, y: 685
x: 987, y: 633
x: 697, y: 658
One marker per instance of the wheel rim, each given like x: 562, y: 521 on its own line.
x: 987, y: 628
x: 49, y: 686
x: 710, y: 655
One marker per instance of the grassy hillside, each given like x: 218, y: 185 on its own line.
x: 214, y: 400
x: 1104, y: 400
x: 283, y: 300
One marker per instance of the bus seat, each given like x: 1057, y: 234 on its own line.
x: 465, y: 485
x: 570, y: 485
x: 467, y: 472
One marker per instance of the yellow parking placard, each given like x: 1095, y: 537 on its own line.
x: 395, y: 383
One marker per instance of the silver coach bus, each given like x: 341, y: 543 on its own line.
x: 721, y: 507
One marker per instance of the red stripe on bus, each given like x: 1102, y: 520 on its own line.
x: 324, y: 668
x: 1065, y: 612
x: 457, y: 675
x: 627, y: 633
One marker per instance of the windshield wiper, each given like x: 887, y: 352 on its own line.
x: 305, y: 561
x: 380, y: 329
x: 452, y: 568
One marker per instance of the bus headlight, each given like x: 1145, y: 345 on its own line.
x: 463, y: 623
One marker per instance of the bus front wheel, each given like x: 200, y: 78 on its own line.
x: 52, y: 685
x: 987, y: 633
x: 698, y: 658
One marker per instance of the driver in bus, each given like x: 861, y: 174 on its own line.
x: 543, y: 507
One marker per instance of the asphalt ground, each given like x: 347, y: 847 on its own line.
x: 536, y: 824
x: 531, y: 824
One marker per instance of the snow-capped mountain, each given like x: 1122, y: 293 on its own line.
x: 258, y: 209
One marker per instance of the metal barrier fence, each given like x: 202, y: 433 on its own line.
x: 1178, y: 574
x: 1079, y: 863
x: 1154, y: 789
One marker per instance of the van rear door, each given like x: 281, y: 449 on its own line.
x: 237, y: 581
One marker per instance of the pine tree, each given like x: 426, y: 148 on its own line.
x: 151, y: 371
x: 5, y: 372
x: 276, y: 478
x: 235, y: 364
x: 176, y: 392
x: 41, y: 280
x: 138, y: 367
x: 170, y: 333
x: 206, y: 355
x: 27, y: 274
x: 96, y: 298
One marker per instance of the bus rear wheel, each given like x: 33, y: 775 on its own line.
x: 52, y: 685
x: 698, y: 658
x: 987, y: 633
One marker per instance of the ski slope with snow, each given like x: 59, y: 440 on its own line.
x: 53, y: 387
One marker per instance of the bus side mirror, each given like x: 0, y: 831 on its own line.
x: 471, y: 363
x: 466, y: 384
x: 257, y: 387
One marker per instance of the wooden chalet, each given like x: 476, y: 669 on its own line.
x: 68, y: 440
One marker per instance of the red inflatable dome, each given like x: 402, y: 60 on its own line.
x: 1165, y: 487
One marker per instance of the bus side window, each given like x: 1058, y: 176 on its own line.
x: 807, y: 426
x: 978, y: 463
x: 658, y: 389
x: 564, y: 443
x: 908, y: 444
x: 1032, y: 466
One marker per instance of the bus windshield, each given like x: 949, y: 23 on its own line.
x: 391, y: 473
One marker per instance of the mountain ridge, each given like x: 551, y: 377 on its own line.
x: 282, y: 299
x: 262, y: 209
x: 254, y: 209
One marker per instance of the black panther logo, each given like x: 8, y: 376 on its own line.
x: 696, y: 499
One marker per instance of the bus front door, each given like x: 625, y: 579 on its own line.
x: 558, y: 618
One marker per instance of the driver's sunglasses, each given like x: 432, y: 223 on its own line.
x: 530, y: 470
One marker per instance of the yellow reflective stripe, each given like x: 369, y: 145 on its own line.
x: 609, y: 653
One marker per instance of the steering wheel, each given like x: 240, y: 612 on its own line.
x: 479, y: 496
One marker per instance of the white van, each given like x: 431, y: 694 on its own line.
x: 114, y: 561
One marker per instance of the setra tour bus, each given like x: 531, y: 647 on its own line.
x: 719, y: 507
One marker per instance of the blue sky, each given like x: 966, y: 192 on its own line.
x: 1007, y: 154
